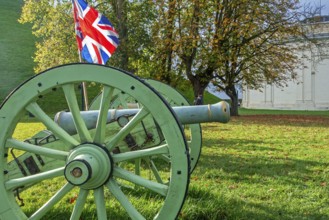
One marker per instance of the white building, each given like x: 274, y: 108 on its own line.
x: 311, y: 89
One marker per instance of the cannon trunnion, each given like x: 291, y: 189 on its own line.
x: 104, y: 156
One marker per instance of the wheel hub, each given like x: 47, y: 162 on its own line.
x: 88, y: 166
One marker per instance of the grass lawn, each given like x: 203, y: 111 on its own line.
x: 262, y: 167
x: 255, y: 167
x: 244, y: 111
x: 16, y: 48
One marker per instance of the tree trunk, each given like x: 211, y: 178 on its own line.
x: 121, y: 14
x: 198, y: 88
x: 234, y: 106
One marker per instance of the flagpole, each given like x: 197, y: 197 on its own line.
x: 85, y: 95
x: 84, y: 92
x: 82, y: 12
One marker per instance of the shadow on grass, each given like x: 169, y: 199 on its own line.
x: 258, y: 174
x: 204, y: 205
x: 292, y: 171
x: 65, y: 214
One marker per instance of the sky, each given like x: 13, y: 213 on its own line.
x: 317, y: 3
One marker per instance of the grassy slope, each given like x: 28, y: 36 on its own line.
x: 208, y: 97
x: 16, y: 48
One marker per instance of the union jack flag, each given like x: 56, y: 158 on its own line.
x: 96, y: 36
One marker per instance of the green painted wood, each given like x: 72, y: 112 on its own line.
x: 25, y: 99
x: 174, y: 98
x: 193, y: 131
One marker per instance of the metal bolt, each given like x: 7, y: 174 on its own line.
x: 76, y: 172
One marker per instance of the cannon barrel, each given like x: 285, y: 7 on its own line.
x: 219, y: 112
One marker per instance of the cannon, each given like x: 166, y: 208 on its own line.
x: 193, y: 133
x: 100, y: 160
x: 185, y: 115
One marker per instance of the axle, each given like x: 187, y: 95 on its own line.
x: 219, y: 112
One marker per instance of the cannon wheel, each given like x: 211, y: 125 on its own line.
x: 86, y: 162
x: 194, y: 136
x: 174, y: 98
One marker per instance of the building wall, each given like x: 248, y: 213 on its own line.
x: 309, y: 92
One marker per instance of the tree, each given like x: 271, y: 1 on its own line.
x: 232, y: 42
x: 180, y: 45
x: 223, y: 42
x: 134, y: 20
x: 253, y: 44
x: 53, y: 25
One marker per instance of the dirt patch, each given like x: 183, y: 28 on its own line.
x: 286, y: 119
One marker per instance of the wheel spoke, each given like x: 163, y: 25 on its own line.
x: 81, y: 149
x: 79, y: 204
x: 138, y: 166
x: 123, y: 101
x: 163, y: 149
x: 100, y: 203
x: 154, y: 170
x: 102, y: 117
x: 126, y: 175
x: 35, y: 109
x: 123, y: 200
x: 79, y: 123
x: 126, y: 130
x: 165, y: 158
x: 19, y: 145
x: 52, y: 201
x: 28, y: 180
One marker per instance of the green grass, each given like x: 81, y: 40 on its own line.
x: 254, y: 167
x: 208, y: 98
x: 262, y: 169
x: 244, y: 111
x: 16, y: 48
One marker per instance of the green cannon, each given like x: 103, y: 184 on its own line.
x: 193, y: 133
x: 143, y: 149
x: 185, y: 115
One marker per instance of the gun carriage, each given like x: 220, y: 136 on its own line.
x: 130, y: 138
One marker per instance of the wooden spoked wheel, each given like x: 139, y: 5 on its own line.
x: 86, y: 166
x: 193, y: 132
